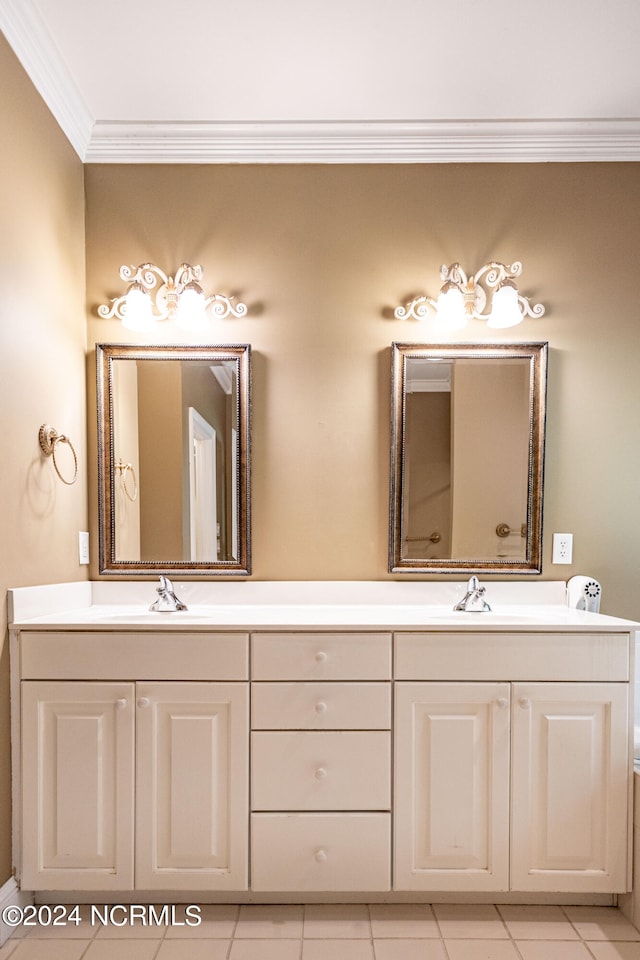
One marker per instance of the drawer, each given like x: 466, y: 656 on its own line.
x: 321, y: 706
x: 321, y: 851
x: 321, y: 656
x: 512, y: 656
x: 128, y: 655
x: 321, y: 771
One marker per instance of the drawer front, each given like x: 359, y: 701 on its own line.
x: 321, y: 656
x: 512, y: 656
x: 102, y: 655
x: 315, y: 851
x: 321, y: 706
x: 321, y: 771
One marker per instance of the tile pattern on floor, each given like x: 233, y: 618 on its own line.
x: 345, y: 932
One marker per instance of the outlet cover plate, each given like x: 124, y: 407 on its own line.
x: 562, y: 548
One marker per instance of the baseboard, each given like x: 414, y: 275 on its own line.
x: 11, y: 896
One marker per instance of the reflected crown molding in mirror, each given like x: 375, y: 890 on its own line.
x: 174, y: 459
x: 154, y: 295
x: 463, y: 298
x: 467, y: 457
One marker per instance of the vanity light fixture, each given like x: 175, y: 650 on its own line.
x: 153, y: 295
x: 489, y: 294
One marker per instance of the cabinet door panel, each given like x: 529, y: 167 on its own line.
x: 570, y: 776
x: 452, y: 786
x: 192, y: 786
x: 77, y: 809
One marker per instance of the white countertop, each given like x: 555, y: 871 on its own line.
x: 304, y: 605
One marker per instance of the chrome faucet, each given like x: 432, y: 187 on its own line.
x: 473, y: 601
x: 167, y: 601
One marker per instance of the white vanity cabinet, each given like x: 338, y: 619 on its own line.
x: 282, y: 750
x: 505, y: 784
x: 140, y: 784
x: 321, y: 762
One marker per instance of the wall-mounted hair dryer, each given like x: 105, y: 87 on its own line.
x: 584, y: 593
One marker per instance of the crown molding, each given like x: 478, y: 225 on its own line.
x: 331, y: 141
x: 437, y: 141
x: 31, y: 42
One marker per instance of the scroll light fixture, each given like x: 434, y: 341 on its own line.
x: 153, y: 295
x: 490, y: 294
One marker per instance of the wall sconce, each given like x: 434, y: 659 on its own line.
x: 153, y: 295
x: 464, y: 298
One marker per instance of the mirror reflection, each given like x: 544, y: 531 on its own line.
x: 173, y: 451
x: 467, y: 452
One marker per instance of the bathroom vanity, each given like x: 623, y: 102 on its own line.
x: 301, y: 740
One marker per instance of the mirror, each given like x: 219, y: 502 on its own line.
x: 467, y: 453
x: 173, y: 459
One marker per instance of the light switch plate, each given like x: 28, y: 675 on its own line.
x: 83, y: 547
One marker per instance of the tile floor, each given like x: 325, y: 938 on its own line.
x: 347, y: 932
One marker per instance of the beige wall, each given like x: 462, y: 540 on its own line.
x: 321, y: 254
x: 42, y: 362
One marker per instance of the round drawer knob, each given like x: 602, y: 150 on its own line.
x: 143, y: 701
x: 525, y: 703
x: 321, y: 657
x: 321, y: 706
x: 321, y: 855
x: 502, y: 702
x: 121, y: 703
x: 320, y: 773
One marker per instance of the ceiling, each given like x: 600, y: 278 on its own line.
x: 335, y: 80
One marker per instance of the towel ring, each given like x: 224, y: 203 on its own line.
x: 124, y: 469
x: 49, y: 439
x: 504, y: 530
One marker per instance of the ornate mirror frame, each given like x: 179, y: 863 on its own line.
x: 106, y: 356
x: 535, y: 354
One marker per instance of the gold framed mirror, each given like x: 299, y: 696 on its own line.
x: 174, y: 459
x: 467, y: 457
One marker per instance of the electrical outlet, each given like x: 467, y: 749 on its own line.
x: 562, y: 548
x: 83, y: 547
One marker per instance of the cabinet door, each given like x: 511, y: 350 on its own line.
x: 77, y: 792
x: 452, y: 786
x: 192, y: 786
x: 570, y: 782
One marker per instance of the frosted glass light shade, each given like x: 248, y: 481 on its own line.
x: 138, y: 314
x: 505, y: 309
x: 190, y: 312
x: 450, y: 308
